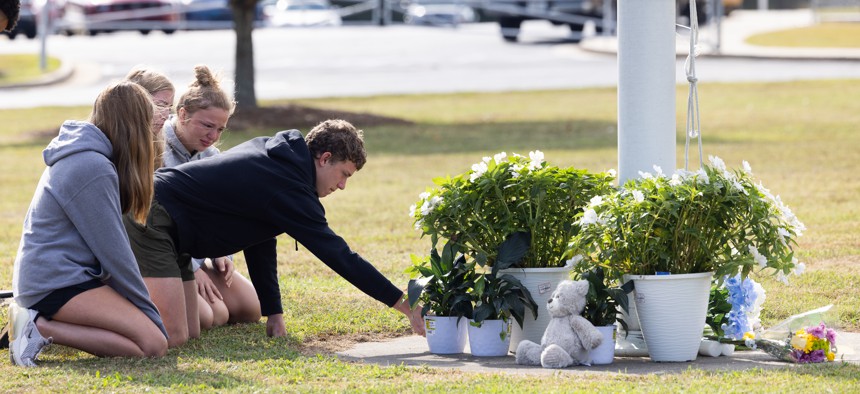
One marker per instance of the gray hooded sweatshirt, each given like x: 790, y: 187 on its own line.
x: 73, y: 231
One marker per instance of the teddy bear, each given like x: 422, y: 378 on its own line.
x: 569, y: 336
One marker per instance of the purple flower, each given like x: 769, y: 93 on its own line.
x: 816, y: 356
x: 831, y: 337
x: 820, y: 331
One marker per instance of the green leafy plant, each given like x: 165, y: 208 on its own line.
x: 718, y: 309
x: 441, y: 282
x: 502, y: 195
x: 603, y: 299
x: 715, y: 219
x: 501, y: 296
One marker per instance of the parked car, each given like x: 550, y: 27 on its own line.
x: 439, y: 14
x: 211, y: 14
x: 26, y: 22
x: 574, y: 13
x: 206, y: 10
x: 104, y: 16
x: 286, y: 13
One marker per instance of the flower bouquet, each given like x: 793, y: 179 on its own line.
x: 811, y: 343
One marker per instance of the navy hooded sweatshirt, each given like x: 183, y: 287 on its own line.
x: 241, y: 199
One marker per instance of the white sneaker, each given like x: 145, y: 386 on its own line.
x: 25, y: 341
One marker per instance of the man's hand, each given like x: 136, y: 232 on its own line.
x: 206, y: 288
x: 224, y: 266
x: 414, y: 315
x: 275, y: 325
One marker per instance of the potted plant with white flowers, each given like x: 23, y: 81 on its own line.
x: 506, y: 194
x: 684, y: 229
x: 604, y: 300
x: 498, y: 297
x: 442, y: 283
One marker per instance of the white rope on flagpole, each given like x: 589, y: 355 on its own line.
x: 693, y: 126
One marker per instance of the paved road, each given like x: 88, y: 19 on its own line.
x: 367, y: 60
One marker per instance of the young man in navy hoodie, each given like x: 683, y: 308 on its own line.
x: 242, y: 199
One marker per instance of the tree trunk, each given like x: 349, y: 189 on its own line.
x: 243, y: 24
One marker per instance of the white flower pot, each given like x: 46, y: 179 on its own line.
x: 540, y: 282
x: 445, y: 335
x: 605, y: 353
x: 672, y: 311
x: 491, y: 339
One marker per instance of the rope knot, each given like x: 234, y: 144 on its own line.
x: 692, y: 79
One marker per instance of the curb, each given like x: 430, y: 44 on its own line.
x: 609, y: 46
x: 66, y: 70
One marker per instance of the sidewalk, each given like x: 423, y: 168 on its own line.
x: 735, y: 29
x: 413, y: 351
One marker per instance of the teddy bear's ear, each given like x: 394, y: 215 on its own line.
x: 581, y: 287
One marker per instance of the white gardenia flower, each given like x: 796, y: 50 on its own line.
x: 419, y: 224
x: 430, y: 205
x: 487, y: 159
x: 500, y: 157
x: 573, y: 261
x: 612, y: 172
x: 515, y: 170
x: 717, y: 163
x: 638, y: 196
x: 595, y: 201
x: 412, y: 209
x: 702, y: 176
x: 478, y: 169
x: 426, y: 208
x: 659, y: 171
x: 799, y: 268
x: 739, y: 187
x: 424, y: 195
x: 536, y: 158
x: 747, y: 168
x: 780, y: 276
x: 675, y: 180
x: 590, y: 217
x: 645, y: 175
x: 782, y: 234
x: 759, y: 259
x: 684, y: 174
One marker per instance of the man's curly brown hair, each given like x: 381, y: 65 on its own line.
x: 339, y: 137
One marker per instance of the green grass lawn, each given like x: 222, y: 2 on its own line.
x: 800, y: 138
x: 19, y: 68
x: 825, y: 35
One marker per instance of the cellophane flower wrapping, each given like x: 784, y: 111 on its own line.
x: 812, y: 343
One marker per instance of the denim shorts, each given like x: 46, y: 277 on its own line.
x: 51, y: 304
x: 154, y: 247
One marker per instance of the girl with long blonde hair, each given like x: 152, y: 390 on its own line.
x: 75, y: 279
